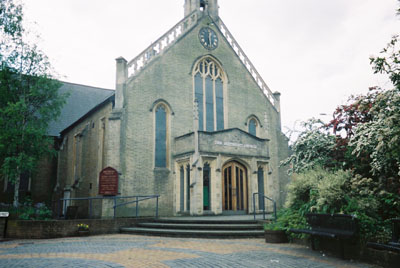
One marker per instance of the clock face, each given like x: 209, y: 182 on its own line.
x: 208, y: 38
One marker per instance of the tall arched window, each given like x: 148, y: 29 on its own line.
x: 209, y: 93
x: 161, y: 137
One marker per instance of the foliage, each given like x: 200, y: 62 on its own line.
x: 287, y: 218
x: 312, y: 148
x: 389, y: 62
x: 380, y: 137
x: 321, y: 189
x: 325, y: 191
x: 352, y: 164
x: 29, y: 98
x: 29, y: 211
x: 83, y: 227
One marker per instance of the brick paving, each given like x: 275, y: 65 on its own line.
x: 144, y: 251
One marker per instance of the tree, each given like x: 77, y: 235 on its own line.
x: 29, y: 98
x: 313, y: 147
x: 380, y: 137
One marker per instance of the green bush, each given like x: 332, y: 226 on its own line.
x: 29, y: 211
x: 324, y: 191
x: 287, y: 219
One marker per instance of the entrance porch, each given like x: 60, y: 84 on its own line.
x: 218, y: 172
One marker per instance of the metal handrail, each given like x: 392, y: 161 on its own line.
x: 115, y: 198
x: 264, y: 197
x: 137, y: 203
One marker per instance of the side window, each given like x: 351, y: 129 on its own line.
x: 253, y: 127
x: 161, y: 137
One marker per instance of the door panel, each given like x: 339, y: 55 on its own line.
x: 234, y: 187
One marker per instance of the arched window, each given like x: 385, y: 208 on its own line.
x: 161, y: 137
x: 253, y: 127
x: 209, y: 93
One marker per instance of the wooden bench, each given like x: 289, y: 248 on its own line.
x: 394, y: 244
x: 4, y: 215
x: 335, y: 226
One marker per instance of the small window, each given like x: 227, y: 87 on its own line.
x: 253, y: 127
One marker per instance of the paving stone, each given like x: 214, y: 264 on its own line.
x: 146, y: 251
x: 57, y: 263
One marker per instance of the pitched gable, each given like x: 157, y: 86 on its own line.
x: 181, y: 29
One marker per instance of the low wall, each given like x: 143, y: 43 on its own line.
x: 62, y: 228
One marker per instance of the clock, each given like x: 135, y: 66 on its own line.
x: 208, y: 38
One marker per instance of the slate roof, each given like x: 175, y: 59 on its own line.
x: 81, y: 100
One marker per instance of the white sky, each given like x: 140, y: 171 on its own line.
x: 315, y: 52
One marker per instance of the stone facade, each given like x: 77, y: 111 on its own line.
x: 201, y: 172
x: 81, y: 157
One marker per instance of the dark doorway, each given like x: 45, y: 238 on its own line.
x: 206, y: 187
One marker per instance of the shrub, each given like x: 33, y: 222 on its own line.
x: 324, y: 191
x: 29, y: 211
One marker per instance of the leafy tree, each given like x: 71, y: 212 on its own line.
x: 313, y: 147
x: 29, y: 98
x: 380, y: 137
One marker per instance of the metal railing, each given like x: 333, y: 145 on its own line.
x: 263, y: 205
x: 138, y: 199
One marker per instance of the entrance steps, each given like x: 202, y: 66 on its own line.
x: 197, y: 227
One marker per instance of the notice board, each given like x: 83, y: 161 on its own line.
x: 108, y: 182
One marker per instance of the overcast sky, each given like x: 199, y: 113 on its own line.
x: 315, y: 52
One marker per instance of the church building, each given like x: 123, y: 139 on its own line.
x: 191, y: 120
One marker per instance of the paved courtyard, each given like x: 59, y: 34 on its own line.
x: 145, y: 251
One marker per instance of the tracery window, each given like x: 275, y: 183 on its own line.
x: 209, y: 93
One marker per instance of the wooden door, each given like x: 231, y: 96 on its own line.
x: 234, y: 187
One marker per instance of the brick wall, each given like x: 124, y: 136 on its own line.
x: 63, y: 228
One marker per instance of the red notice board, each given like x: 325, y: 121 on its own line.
x: 108, y: 182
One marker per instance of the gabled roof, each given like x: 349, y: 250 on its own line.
x: 80, y: 101
x: 177, y: 32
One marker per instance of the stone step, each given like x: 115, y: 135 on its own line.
x: 201, y: 226
x: 194, y: 232
x: 195, y: 220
